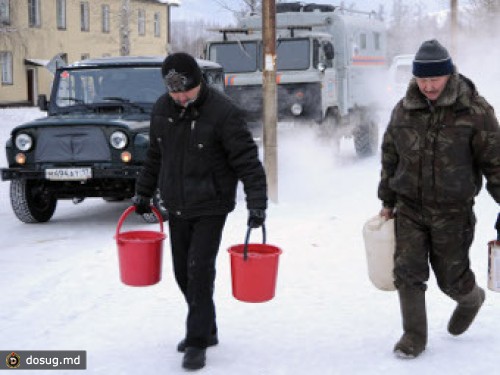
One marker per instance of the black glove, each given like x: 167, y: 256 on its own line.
x: 256, y: 217
x: 142, y: 204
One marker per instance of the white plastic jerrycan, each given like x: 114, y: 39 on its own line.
x: 380, y: 243
x: 494, y: 266
x: 494, y: 260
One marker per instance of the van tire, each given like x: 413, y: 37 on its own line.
x: 31, y: 202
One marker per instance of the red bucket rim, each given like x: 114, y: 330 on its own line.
x: 252, y: 247
x: 142, y: 236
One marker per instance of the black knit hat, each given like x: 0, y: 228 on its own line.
x: 432, y: 60
x: 181, y: 72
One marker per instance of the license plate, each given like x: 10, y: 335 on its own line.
x: 68, y: 174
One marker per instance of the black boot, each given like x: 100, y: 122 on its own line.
x: 466, y: 310
x: 414, y: 339
x: 212, y: 341
x: 194, y: 358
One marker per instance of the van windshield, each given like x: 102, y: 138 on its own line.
x: 99, y: 85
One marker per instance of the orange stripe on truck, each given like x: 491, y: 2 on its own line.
x: 368, y: 60
x: 229, y: 80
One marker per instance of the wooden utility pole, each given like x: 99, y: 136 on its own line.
x: 170, y: 4
x: 454, y: 26
x: 270, y: 98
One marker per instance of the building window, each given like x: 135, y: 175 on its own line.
x: 4, y: 12
x: 157, y: 24
x: 84, y: 16
x: 61, y: 14
x: 105, y: 18
x: 141, y: 21
x: 34, y: 18
x: 6, y: 66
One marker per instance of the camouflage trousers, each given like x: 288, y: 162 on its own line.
x: 439, y: 238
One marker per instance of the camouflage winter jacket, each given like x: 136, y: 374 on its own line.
x: 434, y: 154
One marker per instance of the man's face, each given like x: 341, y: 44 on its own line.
x: 432, y: 87
x: 184, y: 98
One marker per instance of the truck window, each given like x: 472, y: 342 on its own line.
x: 237, y: 57
x: 293, y: 54
x: 376, y: 40
x: 362, y: 41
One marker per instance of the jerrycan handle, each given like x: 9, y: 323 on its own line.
x: 247, y: 238
x: 497, y: 227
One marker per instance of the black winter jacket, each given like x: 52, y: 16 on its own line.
x: 197, y: 155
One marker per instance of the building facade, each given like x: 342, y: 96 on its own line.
x: 37, y: 35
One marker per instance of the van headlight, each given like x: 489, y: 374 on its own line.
x: 118, y: 140
x: 24, y: 142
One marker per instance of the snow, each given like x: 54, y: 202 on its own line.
x: 60, y: 285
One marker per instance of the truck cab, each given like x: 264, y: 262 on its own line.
x: 327, y: 61
x: 303, y: 63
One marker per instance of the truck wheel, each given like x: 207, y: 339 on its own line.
x: 366, y: 139
x: 31, y: 201
x: 158, y: 203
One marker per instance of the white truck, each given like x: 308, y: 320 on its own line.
x: 328, y: 62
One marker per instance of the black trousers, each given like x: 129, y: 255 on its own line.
x: 195, y: 243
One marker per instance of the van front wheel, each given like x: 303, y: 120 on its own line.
x: 31, y: 201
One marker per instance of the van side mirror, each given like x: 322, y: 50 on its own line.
x: 43, y: 103
x: 328, y: 49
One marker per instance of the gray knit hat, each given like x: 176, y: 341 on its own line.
x: 432, y: 60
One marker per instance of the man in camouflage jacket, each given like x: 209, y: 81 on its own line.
x: 441, y: 139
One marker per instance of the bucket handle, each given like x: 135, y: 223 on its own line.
x: 497, y: 227
x: 247, y: 238
x: 131, y: 209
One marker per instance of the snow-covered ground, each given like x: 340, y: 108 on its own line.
x: 60, y: 285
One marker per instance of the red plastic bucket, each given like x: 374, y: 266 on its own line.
x: 254, y: 270
x: 140, y: 252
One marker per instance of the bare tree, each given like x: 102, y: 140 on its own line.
x: 409, y: 25
x: 486, y: 14
x: 11, y: 38
x: 125, y: 28
x: 243, y: 7
x: 192, y: 35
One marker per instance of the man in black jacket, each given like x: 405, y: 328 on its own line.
x: 199, y: 148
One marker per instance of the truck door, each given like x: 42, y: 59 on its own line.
x: 323, y: 61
